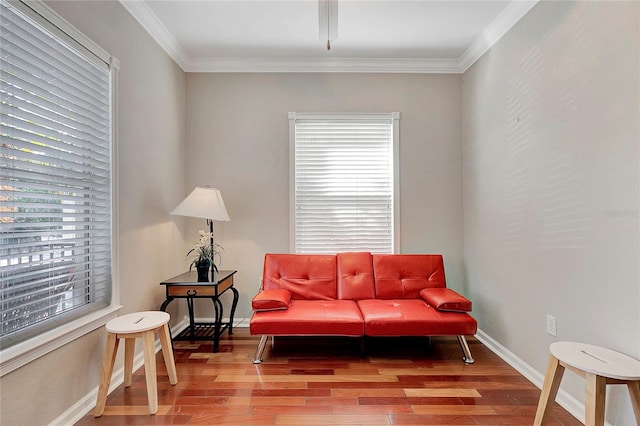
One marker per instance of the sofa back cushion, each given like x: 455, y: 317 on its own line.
x: 306, y: 276
x: 402, y: 276
x: 355, y: 276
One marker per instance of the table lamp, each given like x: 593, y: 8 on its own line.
x: 205, y: 203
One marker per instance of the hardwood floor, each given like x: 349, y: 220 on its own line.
x: 311, y: 381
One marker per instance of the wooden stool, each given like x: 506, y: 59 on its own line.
x: 600, y: 367
x: 130, y: 327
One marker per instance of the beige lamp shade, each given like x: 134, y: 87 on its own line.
x: 205, y: 203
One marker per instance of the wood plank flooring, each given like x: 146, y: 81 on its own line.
x: 325, y: 381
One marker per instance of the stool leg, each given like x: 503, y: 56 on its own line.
x: 150, y: 370
x: 129, y: 350
x: 595, y: 393
x: 107, y: 370
x: 634, y: 393
x: 167, y: 353
x: 550, y: 387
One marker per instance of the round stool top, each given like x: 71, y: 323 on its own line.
x: 597, y: 360
x: 138, y: 322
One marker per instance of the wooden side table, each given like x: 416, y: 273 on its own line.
x: 600, y: 367
x: 186, y: 286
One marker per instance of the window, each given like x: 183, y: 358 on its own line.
x: 344, y: 182
x: 55, y: 174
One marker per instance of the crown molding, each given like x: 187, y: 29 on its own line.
x: 494, y: 32
x: 156, y: 29
x: 327, y: 64
x: 150, y: 22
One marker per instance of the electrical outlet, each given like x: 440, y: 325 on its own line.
x: 551, y: 325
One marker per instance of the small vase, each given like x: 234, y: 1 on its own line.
x: 203, y: 271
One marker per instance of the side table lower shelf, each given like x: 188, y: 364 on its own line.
x: 201, y: 331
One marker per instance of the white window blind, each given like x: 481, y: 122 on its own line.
x: 343, y: 190
x: 55, y: 179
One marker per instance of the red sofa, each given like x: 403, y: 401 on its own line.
x: 358, y: 294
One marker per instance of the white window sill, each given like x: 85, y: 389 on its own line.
x: 23, y: 353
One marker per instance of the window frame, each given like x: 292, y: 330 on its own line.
x: 22, y: 353
x: 394, y: 116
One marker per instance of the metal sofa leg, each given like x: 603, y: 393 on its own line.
x: 257, y: 359
x: 466, y: 352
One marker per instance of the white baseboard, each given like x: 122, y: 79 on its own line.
x: 88, y: 402
x: 566, y: 401
x: 237, y: 322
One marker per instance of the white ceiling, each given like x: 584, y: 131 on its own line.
x: 283, y: 35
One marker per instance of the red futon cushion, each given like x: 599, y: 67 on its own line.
x: 271, y: 300
x: 445, y: 299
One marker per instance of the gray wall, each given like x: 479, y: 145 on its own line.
x: 551, y: 184
x: 151, y: 169
x: 238, y: 141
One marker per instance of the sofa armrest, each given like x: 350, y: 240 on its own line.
x: 271, y: 300
x: 445, y: 299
